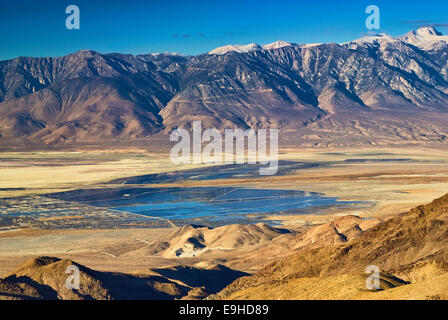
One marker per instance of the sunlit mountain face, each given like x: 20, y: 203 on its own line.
x: 89, y: 96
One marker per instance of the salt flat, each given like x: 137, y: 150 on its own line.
x: 394, y: 179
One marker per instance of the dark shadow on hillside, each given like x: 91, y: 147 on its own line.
x: 45, y: 291
x: 214, y: 279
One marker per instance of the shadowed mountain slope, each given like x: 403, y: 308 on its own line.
x: 45, y: 278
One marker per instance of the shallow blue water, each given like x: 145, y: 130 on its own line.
x: 221, y: 205
x: 213, y: 205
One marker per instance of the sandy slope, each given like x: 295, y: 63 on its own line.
x: 328, y: 262
x: 192, y: 251
x: 396, y: 187
x: 411, y: 247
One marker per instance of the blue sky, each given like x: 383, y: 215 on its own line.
x: 37, y: 28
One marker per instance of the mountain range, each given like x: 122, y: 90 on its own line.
x: 377, y: 89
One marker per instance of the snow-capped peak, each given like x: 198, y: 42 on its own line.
x: 250, y: 47
x: 380, y: 39
x: 236, y: 48
x: 427, y: 31
x: 277, y: 45
x: 426, y: 38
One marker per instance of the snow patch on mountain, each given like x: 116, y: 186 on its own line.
x: 310, y: 45
x: 236, y: 48
x: 250, y: 47
x: 277, y: 45
x: 427, y: 38
x: 370, y: 40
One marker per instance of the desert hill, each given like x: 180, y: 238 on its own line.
x: 410, y: 248
x: 45, y: 278
x: 193, y: 240
x: 340, y: 230
x: 47, y: 275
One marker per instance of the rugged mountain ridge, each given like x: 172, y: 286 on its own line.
x: 90, y: 97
